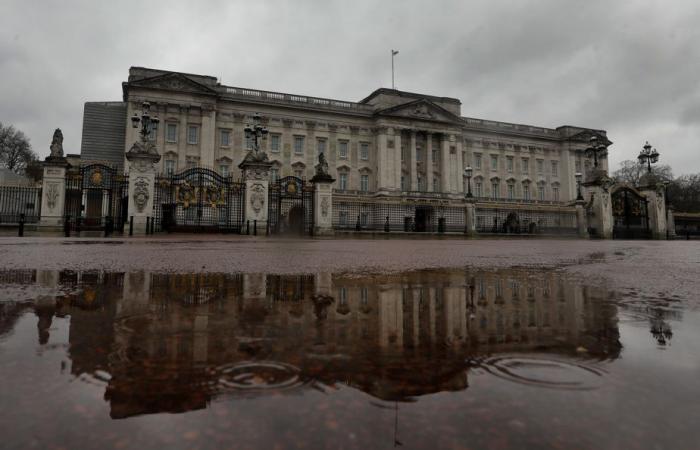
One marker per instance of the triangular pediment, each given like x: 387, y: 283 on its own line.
x: 173, y: 82
x: 586, y: 135
x: 421, y: 109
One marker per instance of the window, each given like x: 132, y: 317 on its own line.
x: 171, y: 132
x: 343, y: 217
x: 298, y: 145
x: 299, y: 173
x: 364, y: 151
x: 152, y: 133
x: 249, y: 142
x: 275, y: 143
x: 526, y: 165
x: 419, y: 154
x: 320, y: 146
x: 509, y: 164
x: 403, y: 183
x: 494, y: 189
x: 526, y: 191
x: 435, y: 156
x: 223, y: 170
x: 477, y: 161
x: 225, y: 138
x: 275, y: 174
x: 192, y: 134
x: 343, y: 149
x: 420, y: 184
x: 477, y: 188
x: 343, y: 297
x: 364, y: 295
x: 436, y: 184
x: 169, y: 167
x: 555, y: 168
x: 494, y: 162
x: 403, y: 154
x: 540, y: 192
x: 511, y: 191
x: 364, y: 183
x: 540, y: 166
x: 578, y: 165
x: 343, y: 181
x: 555, y: 193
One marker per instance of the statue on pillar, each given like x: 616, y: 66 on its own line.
x: 57, y: 144
x: 322, y: 170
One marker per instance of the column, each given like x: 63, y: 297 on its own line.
x: 470, y: 217
x: 670, y: 222
x: 445, y: 164
x: 459, y: 169
x: 323, y: 204
x: 429, y: 160
x: 602, y: 218
x: 581, y: 223
x: 141, y: 161
x: 53, y: 193
x: 413, y: 166
x: 397, y: 159
x: 383, y: 161
x: 656, y: 210
x: 208, y: 138
x: 257, y: 180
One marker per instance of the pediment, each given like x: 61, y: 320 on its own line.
x: 173, y: 82
x: 421, y: 109
x: 586, y: 135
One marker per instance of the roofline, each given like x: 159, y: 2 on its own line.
x: 410, y: 94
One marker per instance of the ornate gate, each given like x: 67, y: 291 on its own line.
x: 96, y: 198
x: 290, y: 206
x: 629, y: 214
x: 198, y: 199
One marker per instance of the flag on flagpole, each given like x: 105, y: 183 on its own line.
x: 394, y: 52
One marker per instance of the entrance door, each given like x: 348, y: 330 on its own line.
x: 630, y: 215
x: 423, y: 218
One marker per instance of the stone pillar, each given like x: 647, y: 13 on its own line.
x: 601, y: 219
x: 53, y: 193
x: 208, y: 138
x: 384, y: 162
x: 397, y: 159
x: 256, y: 174
x: 142, y: 159
x: 429, y: 161
x: 413, y: 166
x: 581, y: 222
x: 656, y: 209
x: 445, y: 164
x: 323, y: 204
x: 670, y: 223
x: 470, y: 217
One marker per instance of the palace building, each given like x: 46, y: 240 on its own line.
x: 397, y: 158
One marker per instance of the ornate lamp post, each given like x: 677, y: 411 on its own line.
x: 596, y: 149
x: 649, y: 156
x: 256, y: 132
x: 147, y: 122
x: 579, y: 176
x: 468, y: 174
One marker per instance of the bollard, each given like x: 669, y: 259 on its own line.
x: 247, y: 227
x: 66, y: 226
x: 255, y: 227
x: 21, y: 225
x: 131, y: 226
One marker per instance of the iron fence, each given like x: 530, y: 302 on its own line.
x: 525, y: 221
x: 18, y: 200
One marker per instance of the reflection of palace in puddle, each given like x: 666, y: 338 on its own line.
x: 172, y: 342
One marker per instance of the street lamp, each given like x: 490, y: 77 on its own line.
x: 147, y: 122
x: 596, y: 148
x: 256, y: 132
x: 579, y: 176
x: 649, y: 156
x: 468, y: 174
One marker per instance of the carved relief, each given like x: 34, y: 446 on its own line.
x: 141, y: 193
x: 257, y: 198
x: 325, y: 206
x: 52, y: 195
x: 422, y: 111
x: 142, y: 165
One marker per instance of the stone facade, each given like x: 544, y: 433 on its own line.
x: 391, y: 143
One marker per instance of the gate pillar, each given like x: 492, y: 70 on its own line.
x: 670, y: 223
x: 53, y: 193
x: 656, y: 209
x: 601, y: 219
x: 581, y: 223
x: 470, y: 217
x: 323, y: 204
x: 142, y: 160
x: 256, y: 174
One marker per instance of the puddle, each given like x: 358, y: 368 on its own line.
x: 515, y: 358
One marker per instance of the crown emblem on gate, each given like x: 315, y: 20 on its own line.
x: 96, y: 178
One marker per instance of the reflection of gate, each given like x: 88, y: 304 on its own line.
x: 630, y: 215
x: 291, y: 206
x: 96, y: 198
x: 198, y: 199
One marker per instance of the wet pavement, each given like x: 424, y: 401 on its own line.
x: 214, y: 342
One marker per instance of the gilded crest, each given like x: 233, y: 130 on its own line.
x: 96, y: 178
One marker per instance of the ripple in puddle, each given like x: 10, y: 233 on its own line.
x: 252, y: 376
x: 543, y: 372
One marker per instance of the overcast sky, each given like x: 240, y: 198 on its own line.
x: 630, y: 67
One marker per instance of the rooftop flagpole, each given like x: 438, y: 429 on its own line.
x: 393, y: 53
